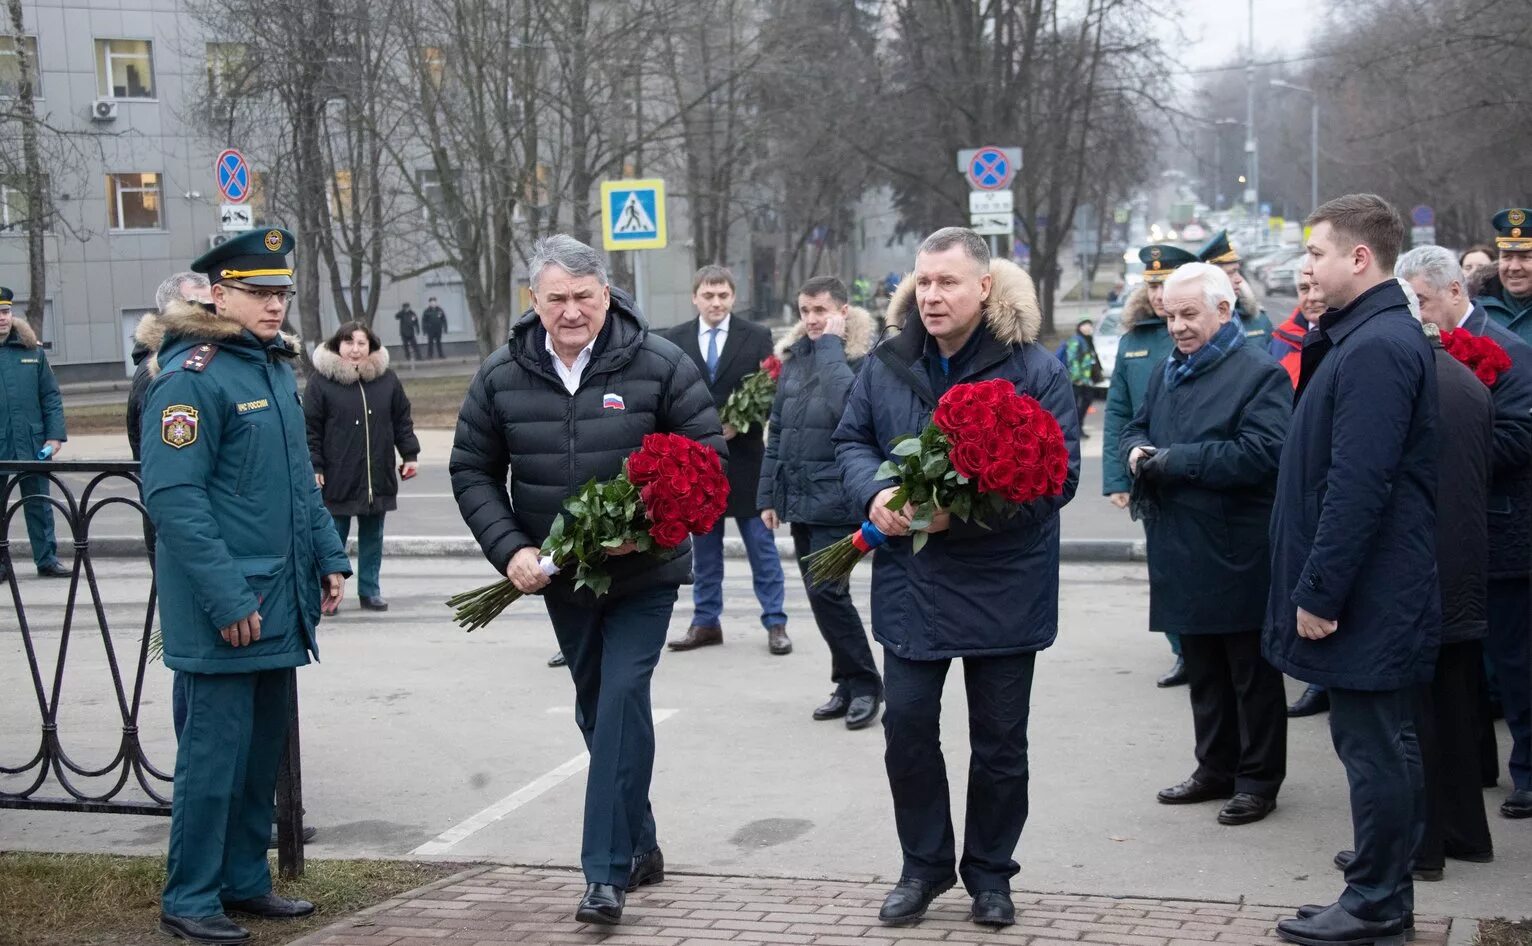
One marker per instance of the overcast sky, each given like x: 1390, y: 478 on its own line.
x: 1214, y: 29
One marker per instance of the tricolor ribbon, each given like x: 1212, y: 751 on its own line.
x: 868, y: 538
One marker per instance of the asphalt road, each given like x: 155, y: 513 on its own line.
x: 418, y: 738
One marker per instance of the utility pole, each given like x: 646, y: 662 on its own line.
x: 1252, y: 156
x: 1313, y: 137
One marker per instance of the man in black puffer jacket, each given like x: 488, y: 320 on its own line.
x: 800, y: 479
x: 565, y: 401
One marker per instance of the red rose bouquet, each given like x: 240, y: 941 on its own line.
x: 1483, y: 355
x: 671, y: 487
x: 986, y: 451
x: 749, y: 405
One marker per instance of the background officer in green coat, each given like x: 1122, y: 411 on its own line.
x: 31, y: 421
x: 248, y: 560
x: 1142, y: 350
x: 1221, y: 253
x: 1505, y: 289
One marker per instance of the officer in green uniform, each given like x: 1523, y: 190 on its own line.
x: 31, y: 423
x: 1142, y: 350
x: 1506, y: 292
x: 1221, y: 253
x: 248, y: 560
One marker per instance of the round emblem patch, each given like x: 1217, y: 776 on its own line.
x: 274, y: 241
x: 1154, y: 252
x: 1517, y: 217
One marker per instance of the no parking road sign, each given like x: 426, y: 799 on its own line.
x: 633, y: 215
x: 990, y: 169
x: 233, y: 174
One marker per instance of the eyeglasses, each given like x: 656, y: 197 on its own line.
x: 283, y: 296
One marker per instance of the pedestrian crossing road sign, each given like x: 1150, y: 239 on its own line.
x: 633, y: 215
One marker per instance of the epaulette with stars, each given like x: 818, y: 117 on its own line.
x: 200, y: 358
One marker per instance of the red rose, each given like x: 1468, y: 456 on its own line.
x: 642, y: 468
x: 772, y: 365
x: 668, y: 535
x: 993, y: 391
x: 662, y: 509
x: 968, y: 459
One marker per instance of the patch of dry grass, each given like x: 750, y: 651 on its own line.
x: 107, y: 900
x: 1503, y: 932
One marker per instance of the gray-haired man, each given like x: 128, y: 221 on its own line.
x: 579, y: 384
x: 182, y: 287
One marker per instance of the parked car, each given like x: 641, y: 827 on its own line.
x: 1108, y: 335
x: 1256, y: 269
x: 1283, y: 278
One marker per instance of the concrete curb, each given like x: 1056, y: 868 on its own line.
x: 449, y: 546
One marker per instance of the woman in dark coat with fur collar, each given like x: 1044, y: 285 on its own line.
x: 358, y: 418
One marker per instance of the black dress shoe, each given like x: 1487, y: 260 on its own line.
x: 373, y: 603
x: 1473, y: 857
x: 863, y: 712
x: 1518, y: 804
x: 204, y: 929
x: 1314, y: 909
x: 993, y: 908
x: 1192, y: 791
x: 269, y: 906
x: 557, y: 660
x: 1176, y: 677
x: 910, y: 899
x: 309, y: 831
x: 1246, y: 808
x: 1333, y: 926
x: 54, y: 570
x: 601, y: 904
x: 833, y: 708
x: 777, y: 640
x: 1315, y: 700
x: 648, y: 869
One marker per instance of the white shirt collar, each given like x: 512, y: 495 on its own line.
x: 1464, y: 317
x: 723, y: 328
x: 567, y: 374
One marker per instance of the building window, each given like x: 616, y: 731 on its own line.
x: 133, y: 201
x: 124, y: 69
x: 228, y: 70
x: 433, y: 66
x: 15, y: 213
x: 10, y: 67
x: 431, y: 200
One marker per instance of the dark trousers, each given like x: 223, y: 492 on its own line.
x: 230, y: 748
x: 369, y: 550
x: 612, y: 646
x: 1448, y: 726
x: 1510, y: 651
x: 999, y: 700
x: 852, y: 668
x: 434, y: 345
x: 410, y: 346
x: 39, y: 516
x: 1374, y: 736
x: 1239, y: 712
x: 1084, y: 394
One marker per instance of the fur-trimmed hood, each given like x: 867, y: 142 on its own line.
x: 1485, y: 282
x: 859, y: 335
x: 1137, y: 309
x: 337, y: 369
x: 23, y: 332
x: 1011, y: 311
x: 192, y: 320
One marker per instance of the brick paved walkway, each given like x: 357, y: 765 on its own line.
x: 491, y: 906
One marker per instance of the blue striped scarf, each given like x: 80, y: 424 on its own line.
x: 1179, y: 368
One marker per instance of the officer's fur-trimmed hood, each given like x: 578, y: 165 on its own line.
x: 1011, y: 311
x: 337, y: 369
x: 194, y: 320
x: 23, y: 331
x: 1485, y: 282
x: 859, y: 335
x: 1137, y: 309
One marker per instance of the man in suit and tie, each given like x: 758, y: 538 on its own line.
x: 728, y: 349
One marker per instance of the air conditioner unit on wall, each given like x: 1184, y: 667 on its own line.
x: 104, y: 110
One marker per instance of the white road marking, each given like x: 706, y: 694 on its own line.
x: 452, y: 837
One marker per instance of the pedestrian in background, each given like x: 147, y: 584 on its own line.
x: 1476, y: 257
x: 433, y: 321
x: 726, y: 350
x: 1444, y: 301
x: 1084, y: 368
x: 983, y: 593
x: 1355, y: 603
x: 1141, y: 351
x: 1203, y: 450
x: 147, y: 336
x: 409, y: 324
x: 801, y: 485
x: 358, y: 420
x: 34, y: 430
x: 229, y: 487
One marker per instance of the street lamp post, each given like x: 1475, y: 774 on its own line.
x: 1313, y: 137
